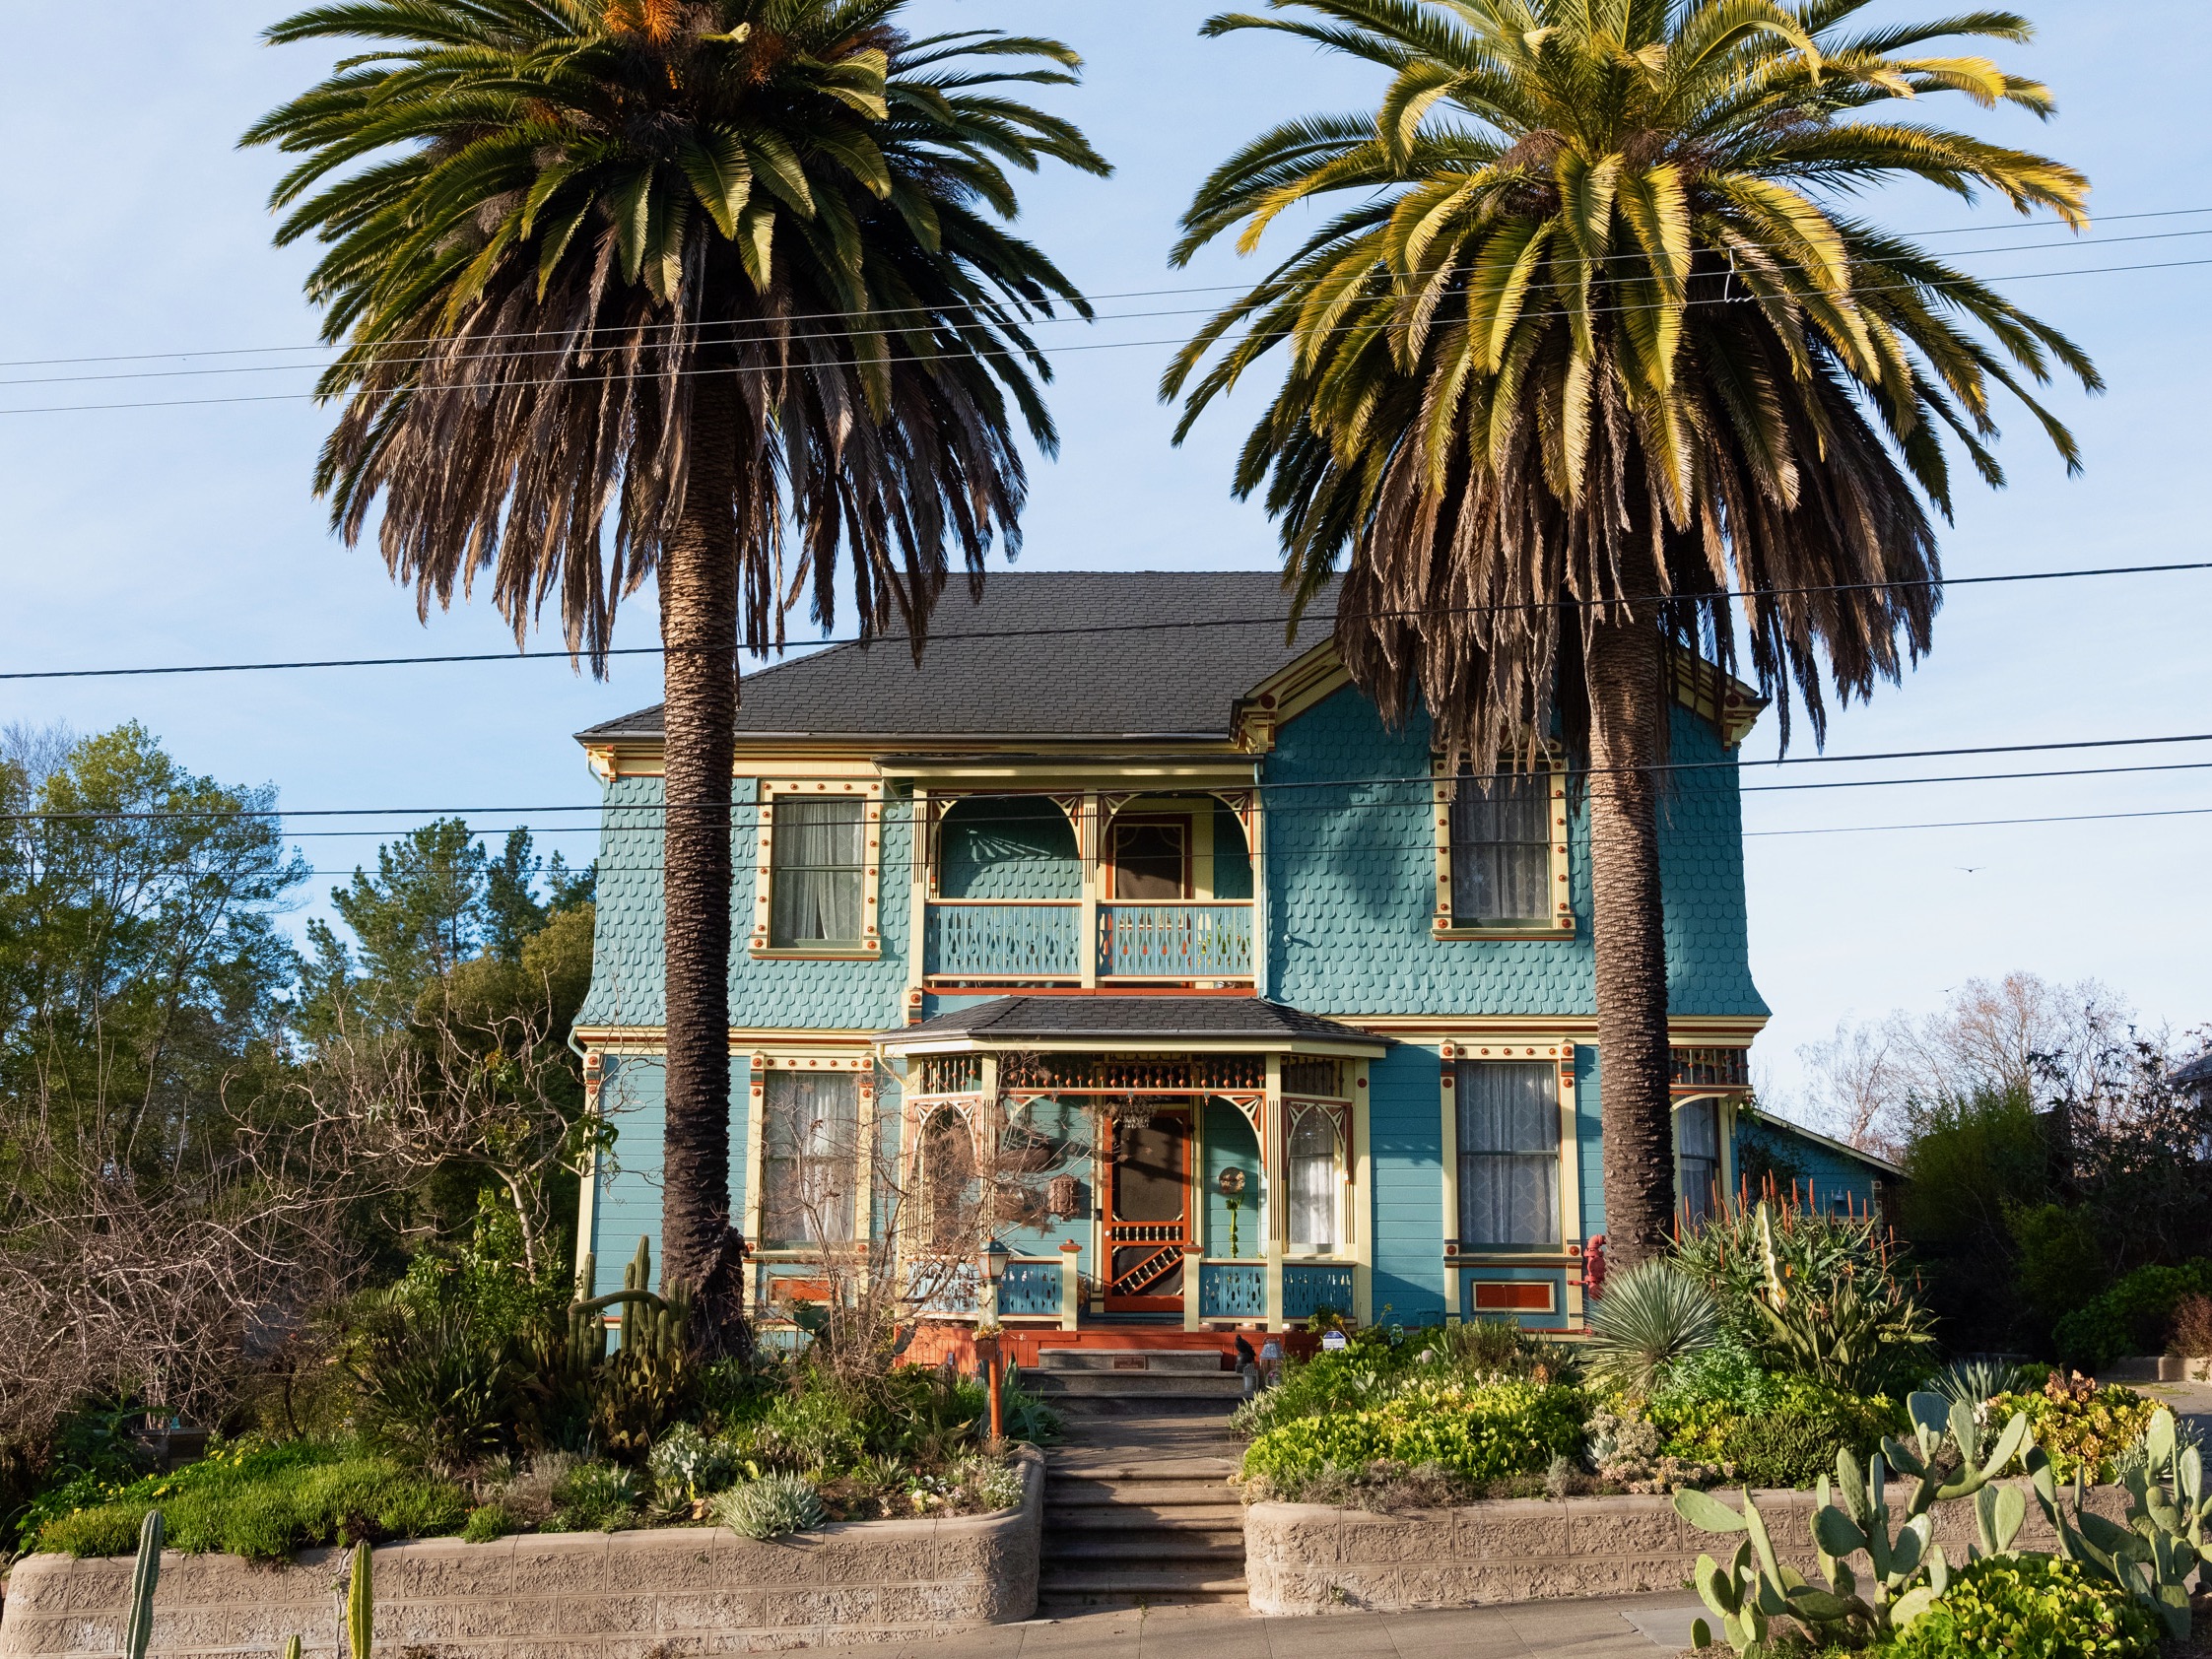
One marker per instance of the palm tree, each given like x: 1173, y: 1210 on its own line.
x: 1585, y: 342
x: 714, y: 267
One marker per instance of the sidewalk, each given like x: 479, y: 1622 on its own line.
x: 1629, y: 1627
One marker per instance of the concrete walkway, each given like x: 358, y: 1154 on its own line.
x: 1629, y: 1628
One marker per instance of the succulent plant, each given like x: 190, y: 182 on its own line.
x: 2161, y: 1545
x: 145, y: 1572
x: 770, y: 1508
x: 360, y: 1604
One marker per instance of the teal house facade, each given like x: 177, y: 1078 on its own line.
x: 1145, y: 924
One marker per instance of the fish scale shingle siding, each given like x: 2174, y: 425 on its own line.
x: 1351, y: 871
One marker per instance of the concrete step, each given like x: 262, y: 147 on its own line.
x: 1065, y: 1590
x: 1163, y: 1549
x: 1130, y: 1361
x: 1072, y: 1495
x: 1211, y: 1385
x: 1081, y: 1409
x: 1138, y: 1514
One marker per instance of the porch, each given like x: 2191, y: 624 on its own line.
x: 1184, y: 1164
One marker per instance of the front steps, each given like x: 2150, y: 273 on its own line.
x: 1138, y: 1510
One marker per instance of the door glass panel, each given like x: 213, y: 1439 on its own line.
x: 1148, y: 1181
x: 1148, y: 862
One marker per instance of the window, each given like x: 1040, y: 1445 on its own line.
x: 1150, y: 864
x: 809, y: 1157
x: 1314, y: 1182
x: 1502, y: 849
x: 1508, y: 1153
x: 1697, y: 1142
x: 819, y: 866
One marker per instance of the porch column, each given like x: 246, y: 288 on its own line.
x: 1071, y: 1284
x: 1193, y: 1259
x: 1090, y: 846
x: 1274, y: 1217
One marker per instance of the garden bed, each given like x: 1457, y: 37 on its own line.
x: 621, y: 1595
x: 1310, y: 1559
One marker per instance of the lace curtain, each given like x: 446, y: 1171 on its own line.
x: 1314, y: 1182
x: 809, y: 1157
x: 815, y: 895
x: 1508, y: 1153
x: 1697, y: 1140
x: 1500, y: 849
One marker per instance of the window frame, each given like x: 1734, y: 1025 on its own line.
x: 1185, y: 827
x: 1332, y: 1117
x: 1722, y: 1159
x: 1560, y: 922
x: 870, y: 793
x: 1565, y: 1219
x: 762, y: 1065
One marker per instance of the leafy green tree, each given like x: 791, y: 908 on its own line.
x: 713, y: 266
x: 1585, y: 341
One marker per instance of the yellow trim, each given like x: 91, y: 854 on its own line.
x: 1561, y: 922
x: 1287, y: 694
x: 870, y: 790
x: 1558, y: 1052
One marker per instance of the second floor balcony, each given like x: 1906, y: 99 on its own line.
x: 1026, y: 891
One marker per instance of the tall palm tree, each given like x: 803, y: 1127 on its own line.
x: 1585, y: 341
x: 719, y: 269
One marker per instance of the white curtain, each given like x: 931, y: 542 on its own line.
x: 1314, y: 1182
x: 1500, y: 849
x: 815, y: 895
x: 1508, y: 1153
x: 809, y: 1157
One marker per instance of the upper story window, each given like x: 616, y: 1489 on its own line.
x: 816, y: 873
x: 1502, y: 849
x: 809, y: 1157
x: 1508, y: 1153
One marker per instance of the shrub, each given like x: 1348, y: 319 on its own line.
x: 2079, y: 1424
x: 1473, y: 1432
x: 435, y: 1387
x: 267, y: 1504
x: 2133, y: 1317
x: 769, y: 1508
x: 594, y: 1498
x: 2027, y: 1607
x: 2192, y: 1327
x: 1649, y: 1318
x: 488, y: 1522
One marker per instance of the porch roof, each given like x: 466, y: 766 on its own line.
x: 1150, y: 1021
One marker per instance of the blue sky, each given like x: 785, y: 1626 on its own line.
x: 189, y: 534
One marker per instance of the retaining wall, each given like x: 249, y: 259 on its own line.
x: 1303, y: 1557
x: 655, y: 1594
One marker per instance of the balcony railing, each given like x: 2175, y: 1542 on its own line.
x: 987, y: 939
x: 1013, y: 942
x: 1176, y: 941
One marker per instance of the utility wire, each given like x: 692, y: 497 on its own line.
x: 719, y: 333
x: 1277, y: 619
x: 1124, y: 294
x: 1018, y: 351
x: 1167, y: 786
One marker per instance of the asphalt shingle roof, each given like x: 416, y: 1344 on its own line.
x: 1111, y: 1017
x: 1223, y: 635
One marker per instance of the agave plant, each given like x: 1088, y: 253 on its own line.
x: 1648, y: 1318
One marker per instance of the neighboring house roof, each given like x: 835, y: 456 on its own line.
x: 1008, y: 1020
x: 1069, y: 654
x: 2197, y: 1074
x: 1842, y: 1149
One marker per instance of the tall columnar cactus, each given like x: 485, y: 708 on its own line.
x: 138, y: 1627
x: 2154, y: 1554
x: 291, y: 1646
x: 1905, y: 1568
x: 361, y: 1604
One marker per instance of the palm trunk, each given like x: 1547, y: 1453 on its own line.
x: 1627, y: 696
x: 698, y: 628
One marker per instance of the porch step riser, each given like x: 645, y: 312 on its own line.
x: 1091, y: 1385
x: 1116, y: 1362
x: 1092, y: 1407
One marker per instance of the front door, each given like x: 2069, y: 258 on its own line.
x: 1148, y: 1213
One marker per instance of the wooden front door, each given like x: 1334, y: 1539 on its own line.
x: 1148, y: 1213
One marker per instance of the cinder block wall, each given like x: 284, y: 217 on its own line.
x: 627, y: 1595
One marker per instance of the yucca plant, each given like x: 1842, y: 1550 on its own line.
x: 1649, y: 1317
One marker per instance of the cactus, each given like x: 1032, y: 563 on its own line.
x: 361, y: 1604
x: 2153, y: 1554
x: 1906, y: 1569
x: 138, y: 1628
x: 291, y: 1646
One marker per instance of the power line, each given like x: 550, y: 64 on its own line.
x: 1012, y: 350
x: 1985, y: 823
x: 736, y: 809
x: 722, y: 334
x: 1124, y: 294
x: 1276, y: 619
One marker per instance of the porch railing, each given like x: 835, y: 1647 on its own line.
x: 985, y: 939
x: 1309, y: 1286
x: 1233, y: 1290
x: 1030, y: 1288
x: 1176, y: 941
